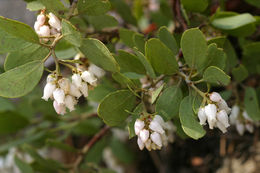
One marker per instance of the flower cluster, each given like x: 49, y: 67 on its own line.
x: 47, y: 25
x: 153, y: 132
x: 215, y: 113
x: 241, y: 120
x: 65, y: 93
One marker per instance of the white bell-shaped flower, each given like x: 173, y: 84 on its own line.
x: 223, y: 118
x: 51, y: 78
x: 215, y: 97
x: 41, y: 19
x: 234, y: 114
x: 165, y: 139
x: 246, y: 116
x: 202, y: 116
x: 89, y: 78
x: 54, y: 31
x: 76, y: 79
x: 97, y: 71
x: 54, y: 22
x: 140, y: 143
x: 59, y: 108
x: 59, y: 96
x: 240, y: 128
x: 37, y: 26
x: 222, y: 105
x: 249, y: 127
x: 144, y: 135
x: 84, y: 89
x: 155, y: 126
x: 64, y: 84
x: 138, y: 126
x: 74, y: 91
x: 48, y: 91
x: 148, y: 145
x: 211, y: 111
x: 221, y: 127
x: 159, y: 119
x: 156, y: 138
x: 44, y: 31
x: 70, y: 102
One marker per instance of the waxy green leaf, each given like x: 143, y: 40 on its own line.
x: 216, y: 76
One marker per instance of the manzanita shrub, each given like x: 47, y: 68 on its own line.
x: 156, y: 71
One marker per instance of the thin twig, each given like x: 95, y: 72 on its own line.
x: 176, y: 7
x: 72, y: 9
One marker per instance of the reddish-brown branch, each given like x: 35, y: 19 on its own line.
x: 86, y: 148
x: 176, y: 7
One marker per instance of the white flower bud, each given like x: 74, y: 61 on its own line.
x: 89, y: 78
x: 59, y: 108
x: 221, y: 127
x: 246, y: 116
x: 54, y: 31
x: 159, y: 119
x: 70, y: 101
x: 59, y: 95
x: 64, y: 84
x: 37, y: 27
x: 155, y: 126
x: 41, y: 19
x: 51, y: 78
x: 222, y: 105
x: 240, y: 128
x: 215, y: 97
x: 148, y: 144
x: 156, y: 138
x: 234, y: 114
x: 165, y: 139
x: 97, y: 71
x: 74, y: 91
x: 54, y: 22
x: 44, y: 31
x: 76, y: 79
x: 249, y: 127
x: 139, y: 125
x: 202, y: 116
x: 48, y: 90
x: 140, y: 143
x: 223, y: 118
x: 211, y: 111
x: 84, y: 89
x: 144, y: 135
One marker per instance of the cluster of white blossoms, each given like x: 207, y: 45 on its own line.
x: 153, y: 132
x: 47, y: 25
x: 216, y: 113
x: 241, y: 120
x: 66, y: 93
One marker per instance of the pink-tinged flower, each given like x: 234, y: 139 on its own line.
x: 59, y: 108
x: 54, y: 22
x: 70, y: 102
x: 215, y: 97
x: 59, y: 96
x: 84, y: 89
x: 138, y: 126
x: 140, y: 143
x: 223, y: 118
x: 144, y: 135
x: 74, y: 91
x: 156, y: 138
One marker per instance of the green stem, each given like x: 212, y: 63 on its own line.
x: 68, y: 65
x: 56, y: 60
x: 198, y: 81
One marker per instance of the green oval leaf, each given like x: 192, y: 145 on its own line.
x: 195, y: 6
x: 93, y: 7
x: 161, y: 57
x: 194, y: 47
x: 70, y: 33
x: 18, y: 29
x: 55, y: 6
x: 240, y: 73
x: 167, y: 38
x: 251, y: 104
x: 98, y: 53
x: 189, y: 122
x: 112, y: 108
x: 216, y: 76
x: 20, y: 80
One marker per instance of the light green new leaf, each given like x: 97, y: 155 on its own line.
x: 20, y: 80
x: 129, y: 62
x: 93, y: 7
x: 70, y: 33
x: 215, y: 57
x: 240, y: 73
x: 195, y: 5
x: 18, y: 29
x: 30, y: 53
x: 23, y: 166
x: 99, y: 54
x: 113, y: 107
x: 11, y: 122
x: 156, y: 93
x: 147, y: 65
x: 123, y: 80
x: 194, y: 48
x: 139, y: 42
x: 189, y: 122
x: 168, y: 103
x: 216, y: 76
x: 55, y: 6
x: 161, y: 57
x: 127, y: 36
x: 251, y: 104
x: 167, y: 38
x: 102, y: 21
x: 35, y: 6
